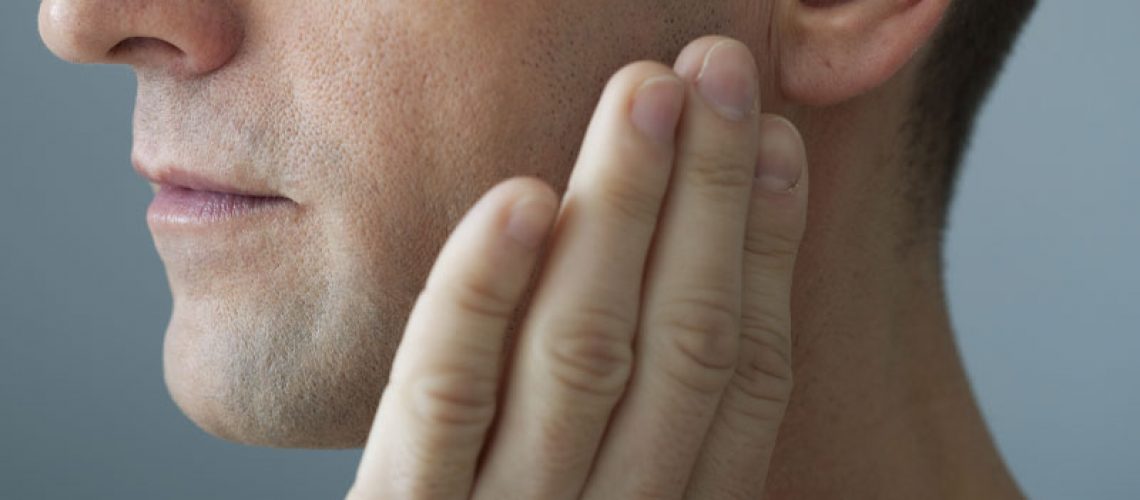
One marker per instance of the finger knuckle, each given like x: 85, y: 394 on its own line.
x: 630, y: 199
x: 760, y: 388
x: 477, y: 297
x: 453, y: 398
x: 592, y: 352
x: 765, y: 322
x: 702, y: 330
x: 771, y: 247
x: 755, y: 419
x: 764, y: 370
x: 716, y: 169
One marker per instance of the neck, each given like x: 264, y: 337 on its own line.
x: 882, y: 406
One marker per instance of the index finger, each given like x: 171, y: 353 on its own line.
x: 441, y: 396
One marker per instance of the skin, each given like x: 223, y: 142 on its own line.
x: 386, y: 121
x: 699, y: 257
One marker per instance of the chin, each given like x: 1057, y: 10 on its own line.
x: 279, y: 375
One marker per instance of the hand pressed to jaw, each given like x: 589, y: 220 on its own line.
x: 688, y: 335
x: 654, y: 356
x: 574, y: 355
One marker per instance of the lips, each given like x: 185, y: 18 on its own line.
x: 187, y: 199
x: 184, y: 206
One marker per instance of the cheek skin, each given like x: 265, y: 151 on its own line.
x: 385, y: 120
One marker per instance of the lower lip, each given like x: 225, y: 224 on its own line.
x: 181, y: 206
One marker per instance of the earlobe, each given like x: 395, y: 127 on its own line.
x: 834, y: 50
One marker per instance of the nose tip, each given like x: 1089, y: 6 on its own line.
x: 67, y: 30
x: 175, y: 35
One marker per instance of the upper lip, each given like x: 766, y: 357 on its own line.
x: 178, y: 177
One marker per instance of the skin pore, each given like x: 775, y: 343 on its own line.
x: 385, y: 121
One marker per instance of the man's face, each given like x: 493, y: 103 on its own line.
x: 382, y: 121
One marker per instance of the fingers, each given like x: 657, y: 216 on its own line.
x: 574, y: 354
x: 678, y: 245
x: 733, y: 464
x: 441, y: 395
x: 687, y: 343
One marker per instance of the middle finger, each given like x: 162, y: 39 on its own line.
x: 689, y: 329
x: 573, y: 358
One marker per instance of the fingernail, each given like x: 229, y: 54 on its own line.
x: 529, y: 221
x: 780, y: 162
x: 657, y: 107
x: 728, y: 80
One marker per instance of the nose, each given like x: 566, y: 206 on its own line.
x: 184, y: 38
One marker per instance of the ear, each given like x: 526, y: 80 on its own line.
x: 833, y: 50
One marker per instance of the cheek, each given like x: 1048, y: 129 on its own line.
x: 407, y: 114
x: 404, y: 124
x: 465, y: 90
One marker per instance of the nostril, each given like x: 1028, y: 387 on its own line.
x: 139, y: 49
x: 187, y: 38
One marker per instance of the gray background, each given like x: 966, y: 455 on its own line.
x: 1042, y: 279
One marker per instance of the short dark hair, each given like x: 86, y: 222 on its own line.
x: 961, y: 66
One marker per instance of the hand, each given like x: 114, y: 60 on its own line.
x: 654, y: 358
